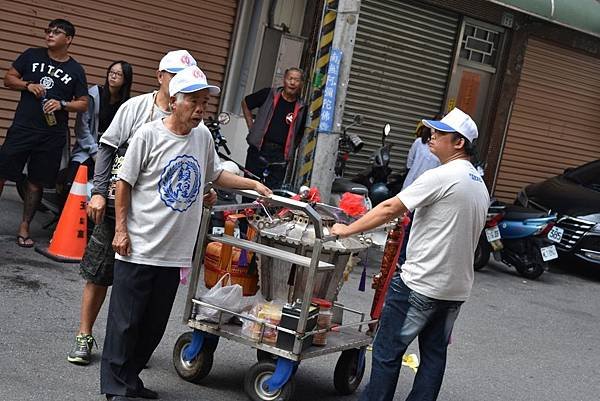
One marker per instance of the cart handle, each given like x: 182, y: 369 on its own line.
x: 282, y: 201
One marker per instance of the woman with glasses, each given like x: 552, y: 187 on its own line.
x: 104, y: 101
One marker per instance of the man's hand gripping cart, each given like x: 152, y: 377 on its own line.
x: 311, y: 274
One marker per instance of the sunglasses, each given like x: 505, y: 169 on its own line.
x: 54, y: 32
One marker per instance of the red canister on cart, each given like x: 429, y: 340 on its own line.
x: 323, y: 320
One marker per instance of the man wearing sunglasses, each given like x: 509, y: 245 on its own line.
x: 450, y: 204
x: 52, y: 84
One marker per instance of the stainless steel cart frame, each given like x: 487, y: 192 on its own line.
x: 345, y: 337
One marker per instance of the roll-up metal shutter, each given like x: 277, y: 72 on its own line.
x: 402, y: 56
x: 555, y: 117
x: 139, y: 32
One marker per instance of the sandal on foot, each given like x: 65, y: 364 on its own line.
x: 22, y: 241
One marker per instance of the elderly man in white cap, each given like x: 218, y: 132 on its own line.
x: 157, y: 214
x: 98, y: 260
x: 450, y: 203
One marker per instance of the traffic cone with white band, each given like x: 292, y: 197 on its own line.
x: 70, y: 237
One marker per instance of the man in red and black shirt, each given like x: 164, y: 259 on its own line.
x: 277, y: 129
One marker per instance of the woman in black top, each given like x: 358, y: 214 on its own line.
x: 104, y: 101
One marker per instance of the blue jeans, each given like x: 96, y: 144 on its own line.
x: 406, y: 315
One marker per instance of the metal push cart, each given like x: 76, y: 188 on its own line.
x: 272, y: 378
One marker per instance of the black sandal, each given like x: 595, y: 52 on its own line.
x: 22, y: 242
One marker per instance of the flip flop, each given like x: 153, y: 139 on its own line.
x: 22, y: 241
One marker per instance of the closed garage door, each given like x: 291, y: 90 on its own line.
x: 399, y: 73
x: 139, y: 32
x: 555, y: 121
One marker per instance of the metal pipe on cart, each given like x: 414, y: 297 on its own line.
x: 196, y: 263
x: 308, y: 291
x: 264, y: 324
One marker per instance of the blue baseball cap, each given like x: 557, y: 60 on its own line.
x: 455, y: 121
x: 189, y: 80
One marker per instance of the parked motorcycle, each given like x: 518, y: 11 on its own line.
x: 53, y: 199
x: 518, y: 236
x: 378, y: 177
x: 348, y: 143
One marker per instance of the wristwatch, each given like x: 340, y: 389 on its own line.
x: 63, y: 104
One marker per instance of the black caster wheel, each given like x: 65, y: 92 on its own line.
x: 347, y: 376
x: 198, y: 368
x: 254, y: 381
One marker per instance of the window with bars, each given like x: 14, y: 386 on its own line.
x: 479, y: 45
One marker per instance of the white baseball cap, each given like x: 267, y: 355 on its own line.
x: 175, y: 61
x: 189, y: 80
x: 455, y: 121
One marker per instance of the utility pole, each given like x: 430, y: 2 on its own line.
x: 327, y: 141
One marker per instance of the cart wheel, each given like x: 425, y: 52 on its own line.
x: 196, y: 370
x: 347, y: 376
x: 264, y: 356
x: 258, y: 374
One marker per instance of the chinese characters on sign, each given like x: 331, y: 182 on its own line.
x: 328, y: 107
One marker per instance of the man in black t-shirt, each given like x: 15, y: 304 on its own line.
x: 277, y: 129
x: 52, y: 84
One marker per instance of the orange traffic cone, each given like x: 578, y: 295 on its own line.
x: 70, y: 237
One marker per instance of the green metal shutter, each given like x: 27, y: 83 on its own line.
x: 402, y: 57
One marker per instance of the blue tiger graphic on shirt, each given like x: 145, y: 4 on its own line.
x: 179, y: 183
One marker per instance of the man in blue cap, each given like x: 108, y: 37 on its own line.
x: 98, y: 260
x: 450, y: 204
x: 158, y: 208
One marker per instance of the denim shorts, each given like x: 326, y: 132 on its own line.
x: 98, y: 263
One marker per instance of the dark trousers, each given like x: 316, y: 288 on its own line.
x: 271, y: 153
x: 140, y: 304
x: 406, y: 315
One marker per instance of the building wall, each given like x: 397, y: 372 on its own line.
x: 139, y: 32
x: 526, y: 27
x: 511, y: 66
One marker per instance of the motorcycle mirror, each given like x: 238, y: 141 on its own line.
x: 224, y: 118
x: 358, y: 119
x: 386, y: 129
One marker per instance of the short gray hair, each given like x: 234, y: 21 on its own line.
x: 179, y: 97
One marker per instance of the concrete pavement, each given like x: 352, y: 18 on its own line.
x: 514, y: 340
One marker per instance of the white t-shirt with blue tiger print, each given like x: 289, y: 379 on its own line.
x: 167, y: 173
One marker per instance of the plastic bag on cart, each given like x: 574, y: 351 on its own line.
x: 269, y: 312
x: 223, y: 296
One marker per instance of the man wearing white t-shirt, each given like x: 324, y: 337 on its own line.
x: 97, y: 264
x: 450, y: 203
x: 158, y: 208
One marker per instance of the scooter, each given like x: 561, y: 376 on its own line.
x: 518, y: 236
x: 53, y: 199
x: 348, y: 143
x: 378, y: 178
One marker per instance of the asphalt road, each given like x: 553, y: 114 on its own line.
x: 515, y: 339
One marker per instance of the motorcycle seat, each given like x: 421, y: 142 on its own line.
x: 515, y: 212
x: 341, y: 185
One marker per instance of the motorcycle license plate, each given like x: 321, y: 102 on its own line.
x: 556, y: 234
x: 548, y: 253
x: 221, y: 230
x: 492, y: 234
